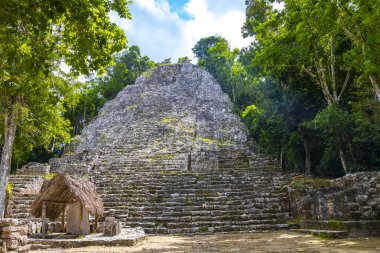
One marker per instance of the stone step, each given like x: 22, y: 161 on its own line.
x: 355, y: 228
x: 211, y: 193
x: 216, y: 229
x: 196, y: 221
x: 192, y: 224
x: 197, y: 216
x: 20, y: 215
x: 333, y: 234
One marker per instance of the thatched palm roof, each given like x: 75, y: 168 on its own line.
x: 66, y: 189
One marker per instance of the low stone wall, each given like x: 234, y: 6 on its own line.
x: 13, y: 236
x: 352, y: 197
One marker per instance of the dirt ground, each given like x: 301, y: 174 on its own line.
x: 282, y: 241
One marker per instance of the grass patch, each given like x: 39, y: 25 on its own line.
x: 335, y: 225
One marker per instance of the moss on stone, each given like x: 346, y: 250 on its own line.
x: 206, y: 140
x: 224, y: 143
x: 160, y: 157
x: 131, y: 107
x: 295, y: 221
x: 103, y: 137
x: 152, y: 190
x: 309, y: 182
x: 203, y: 229
x: 335, y: 225
x: 148, y: 74
x: 169, y: 120
x: 206, y: 194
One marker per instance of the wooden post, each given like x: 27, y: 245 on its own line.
x: 96, y: 223
x: 43, y: 220
x: 81, y: 219
x: 63, y: 218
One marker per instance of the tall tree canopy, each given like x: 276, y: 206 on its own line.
x: 325, y: 43
x: 36, y: 37
x: 307, y: 88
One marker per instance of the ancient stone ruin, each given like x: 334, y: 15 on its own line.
x: 169, y: 154
x: 13, y: 236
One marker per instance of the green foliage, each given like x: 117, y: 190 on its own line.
x: 183, y: 59
x: 50, y: 176
x: 303, y: 87
x: 35, y: 38
x: 309, y: 78
x: 9, y: 190
x: 252, y: 115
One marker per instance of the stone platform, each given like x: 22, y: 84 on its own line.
x: 127, y: 237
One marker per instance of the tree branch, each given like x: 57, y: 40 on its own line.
x: 344, y: 84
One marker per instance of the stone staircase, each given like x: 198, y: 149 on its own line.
x: 170, y: 155
x: 339, y: 228
x: 163, y: 198
x: 24, y: 192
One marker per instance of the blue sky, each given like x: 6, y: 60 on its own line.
x: 169, y: 28
x: 178, y: 6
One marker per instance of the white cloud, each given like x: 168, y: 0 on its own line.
x: 162, y: 34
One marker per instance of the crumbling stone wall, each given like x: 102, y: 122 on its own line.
x: 13, y: 236
x: 352, y: 197
x: 34, y: 169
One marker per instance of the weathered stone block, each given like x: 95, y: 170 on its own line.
x: 22, y: 229
x: 12, y: 244
x: 23, y: 249
x: 100, y: 227
x: 10, y: 235
x: 23, y: 240
x: 362, y: 199
x: 9, y: 222
x: 111, y: 227
x: 3, y: 247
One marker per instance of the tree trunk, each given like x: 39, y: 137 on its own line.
x: 282, y: 158
x: 307, y: 152
x: 375, y: 84
x: 307, y: 156
x: 343, y: 161
x: 10, y: 127
x: 341, y: 155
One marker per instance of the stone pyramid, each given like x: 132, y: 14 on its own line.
x: 170, y: 155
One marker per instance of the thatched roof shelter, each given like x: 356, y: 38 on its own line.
x: 64, y: 189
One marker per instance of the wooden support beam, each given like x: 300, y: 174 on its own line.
x: 63, y: 218
x: 96, y: 223
x: 43, y: 220
x: 81, y: 219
